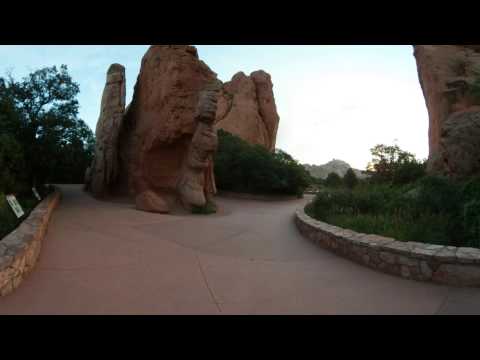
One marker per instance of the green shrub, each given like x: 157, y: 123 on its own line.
x: 12, y: 166
x: 350, y: 179
x: 392, y: 165
x: 471, y: 222
x: 333, y: 180
x: 434, y: 210
x: 245, y: 168
x: 408, y: 172
x: 8, y: 219
x: 209, y: 208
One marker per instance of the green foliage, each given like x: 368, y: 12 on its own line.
x: 12, y: 165
x: 433, y: 210
x: 350, y: 179
x: 8, y: 219
x: 390, y: 164
x: 333, y: 180
x: 244, y: 168
x: 209, y: 208
x: 45, y: 138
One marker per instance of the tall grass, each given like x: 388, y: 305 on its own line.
x: 432, y: 210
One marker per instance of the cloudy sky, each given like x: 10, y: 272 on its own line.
x: 334, y: 101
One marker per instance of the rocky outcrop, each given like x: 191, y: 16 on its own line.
x: 104, y: 170
x: 167, y: 140
x: 246, y: 108
x: 448, y: 76
x: 336, y: 166
x: 159, y: 151
x: 197, y: 180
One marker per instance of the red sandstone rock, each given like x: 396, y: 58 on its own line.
x: 446, y: 74
x: 151, y: 202
x: 246, y: 108
x: 160, y: 149
x: 104, y: 169
x: 160, y: 124
x: 196, y: 181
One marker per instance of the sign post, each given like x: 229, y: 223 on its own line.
x: 13, y: 202
x: 37, y: 195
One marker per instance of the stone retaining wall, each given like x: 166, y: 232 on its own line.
x: 450, y: 265
x: 19, y: 250
x: 245, y: 196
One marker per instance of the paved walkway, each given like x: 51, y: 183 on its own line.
x: 107, y: 258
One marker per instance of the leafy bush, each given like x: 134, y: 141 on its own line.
x: 8, y: 220
x: 333, y: 180
x: 433, y: 210
x: 390, y: 164
x: 12, y: 165
x: 245, y: 168
x: 209, y: 208
x: 28, y: 201
x: 350, y: 179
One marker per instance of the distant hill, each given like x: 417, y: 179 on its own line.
x: 338, y: 166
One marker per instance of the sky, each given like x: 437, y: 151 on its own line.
x: 334, y: 101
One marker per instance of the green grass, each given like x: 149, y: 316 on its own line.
x: 428, y: 228
x: 432, y: 210
x: 209, y: 208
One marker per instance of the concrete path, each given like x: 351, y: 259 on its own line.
x: 107, y: 258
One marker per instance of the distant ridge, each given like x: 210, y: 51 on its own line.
x: 337, y: 166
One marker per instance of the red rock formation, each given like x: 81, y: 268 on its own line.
x: 447, y: 74
x: 104, y: 169
x: 159, y: 126
x: 246, y: 108
x: 160, y: 150
x: 196, y: 181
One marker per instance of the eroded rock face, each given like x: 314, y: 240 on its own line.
x: 160, y: 150
x: 197, y: 180
x: 104, y: 169
x: 447, y: 73
x: 246, y: 108
x: 166, y: 144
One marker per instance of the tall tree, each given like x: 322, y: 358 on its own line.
x: 392, y: 164
x: 333, y: 180
x: 47, y: 124
x: 350, y: 179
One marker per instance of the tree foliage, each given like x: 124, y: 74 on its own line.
x: 45, y: 141
x: 245, y: 168
x: 350, y: 179
x: 333, y: 180
x: 390, y: 164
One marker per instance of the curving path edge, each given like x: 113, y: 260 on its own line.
x: 108, y: 258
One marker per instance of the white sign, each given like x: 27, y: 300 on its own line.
x: 13, y: 202
x: 37, y: 195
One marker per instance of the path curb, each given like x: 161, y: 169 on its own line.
x: 245, y: 196
x: 457, y: 266
x: 20, y: 249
